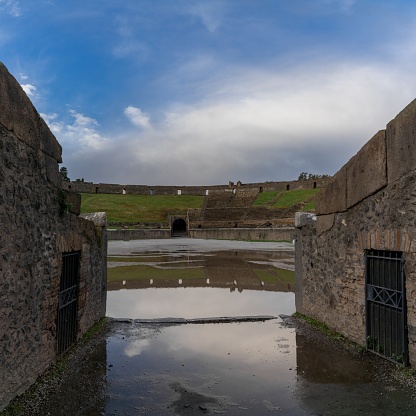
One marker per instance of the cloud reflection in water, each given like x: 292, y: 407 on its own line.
x: 196, y: 303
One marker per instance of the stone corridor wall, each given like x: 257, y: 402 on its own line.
x: 369, y: 204
x: 36, y: 229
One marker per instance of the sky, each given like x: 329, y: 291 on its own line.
x: 203, y: 92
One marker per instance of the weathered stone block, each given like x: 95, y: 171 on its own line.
x: 401, y: 143
x: 324, y: 223
x: 303, y: 218
x: 74, y: 202
x: 98, y: 218
x: 333, y: 196
x: 52, y: 172
x: 49, y: 144
x: 367, y: 170
x: 18, y: 115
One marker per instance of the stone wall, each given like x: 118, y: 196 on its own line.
x: 105, y: 188
x: 254, y: 234
x: 369, y: 204
x: 139, y: 234
x: 36, y: 229
x: 251, y: 234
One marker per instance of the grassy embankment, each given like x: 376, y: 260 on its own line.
x: 288, y: 199
x: 139, y: 208
x: 155, y: 208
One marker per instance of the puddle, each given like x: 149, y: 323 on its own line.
x: 236, y: 270
x: 228, y: 369
x: 197, y: 303
x: 245, y: 368
x: 253, y: 368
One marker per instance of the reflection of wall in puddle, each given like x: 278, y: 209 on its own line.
x: 332, y: 381
x: 240, y: 285
x: 233, y: 270
x: 322, y: 363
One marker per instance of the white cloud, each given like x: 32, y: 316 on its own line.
x: 11, y: 7
x: 53, y: 123
x: 23, y: 77
x: 277, y: 124
x: 127, y: 44
x: 251, y: 126
x: 80, y: 136
x: 29, y: 89
x: 210, y: 13
x: 137, y: 117
x: 136, y: 347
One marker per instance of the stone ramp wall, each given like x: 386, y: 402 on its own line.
x: 35, y: 231
x: 369, y: 204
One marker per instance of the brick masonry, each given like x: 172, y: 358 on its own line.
x: 369, y: 204
x: 35, y: 232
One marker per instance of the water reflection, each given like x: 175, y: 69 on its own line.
x: 255, y: 368
x: 196, y: 303
x: 227, y: 368
x: 255, y: 286
x: 236, y: 270
x: 332, y: 381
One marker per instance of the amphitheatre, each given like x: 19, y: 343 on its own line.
x: 54, y: 269
x: 255, y: 211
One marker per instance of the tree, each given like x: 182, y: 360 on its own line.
x: 303, y: 176
x: 64, y: 174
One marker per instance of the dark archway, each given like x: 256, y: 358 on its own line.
x: 179, y: 228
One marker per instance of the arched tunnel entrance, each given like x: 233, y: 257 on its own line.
x: 179, y: 228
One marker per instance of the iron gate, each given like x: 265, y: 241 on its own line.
x: 386, y: 328
x: 67, y: 308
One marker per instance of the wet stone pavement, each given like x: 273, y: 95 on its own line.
x: 144, y: 364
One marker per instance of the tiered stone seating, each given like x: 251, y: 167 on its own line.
x: 233, y: 209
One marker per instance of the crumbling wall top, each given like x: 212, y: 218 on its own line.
x: 19, y: 116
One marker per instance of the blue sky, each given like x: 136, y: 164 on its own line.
x: 182, y: 92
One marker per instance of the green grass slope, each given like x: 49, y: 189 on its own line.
x: 156, y: 208
x: 287, y: 199
x: 139, y: 208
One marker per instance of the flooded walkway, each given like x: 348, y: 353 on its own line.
x: 140, y: 366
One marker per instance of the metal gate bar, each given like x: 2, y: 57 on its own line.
x: 386, y: 329
x: 67, y: 307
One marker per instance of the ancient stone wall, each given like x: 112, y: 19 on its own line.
x: 253, y: 234
x: 369, y: 204
x: 140, y: 234
x: 105, y: 188
x: 36, y: 229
